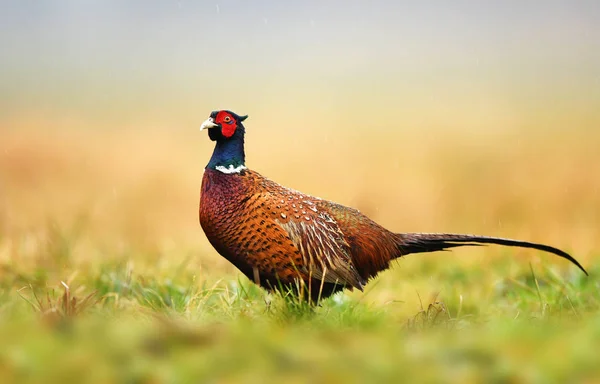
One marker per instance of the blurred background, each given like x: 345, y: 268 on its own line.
x: 427, y: 116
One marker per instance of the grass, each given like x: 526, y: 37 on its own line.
x: 105, y: 275
x: 151, y: 329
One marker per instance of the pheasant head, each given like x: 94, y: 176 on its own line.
x: 226, y: 128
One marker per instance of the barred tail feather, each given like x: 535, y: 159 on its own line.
x: 431, y: 242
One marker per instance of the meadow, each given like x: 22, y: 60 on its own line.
x: 106, y: 276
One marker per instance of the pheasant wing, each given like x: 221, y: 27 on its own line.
x: 325, y: 252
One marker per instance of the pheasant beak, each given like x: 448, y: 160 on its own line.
x: 209, y: 123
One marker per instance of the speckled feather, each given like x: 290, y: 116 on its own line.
x: 279, y: 236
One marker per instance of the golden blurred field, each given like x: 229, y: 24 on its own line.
x: 131, y: 194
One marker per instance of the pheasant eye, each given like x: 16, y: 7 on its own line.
x: 227, y: 119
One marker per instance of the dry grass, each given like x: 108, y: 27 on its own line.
x: 116, y: 207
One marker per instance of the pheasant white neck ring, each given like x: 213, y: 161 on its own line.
x: 231, y: 169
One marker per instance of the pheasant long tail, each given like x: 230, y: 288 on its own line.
x: 431, y: 242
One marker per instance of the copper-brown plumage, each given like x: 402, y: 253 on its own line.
x: 279, y: 237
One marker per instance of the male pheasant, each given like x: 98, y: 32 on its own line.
x: 282, y: 238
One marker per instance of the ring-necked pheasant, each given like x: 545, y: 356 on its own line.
x: 282, y: 238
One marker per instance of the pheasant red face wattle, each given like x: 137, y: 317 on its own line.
x: 227, y: 123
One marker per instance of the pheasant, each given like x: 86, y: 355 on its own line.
x: 284, y: 239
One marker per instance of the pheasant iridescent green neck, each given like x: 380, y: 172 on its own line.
x: 229, y: 156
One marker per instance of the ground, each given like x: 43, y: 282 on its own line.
x: 106, y: 276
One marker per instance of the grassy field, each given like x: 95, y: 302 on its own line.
x: 106, y: 276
